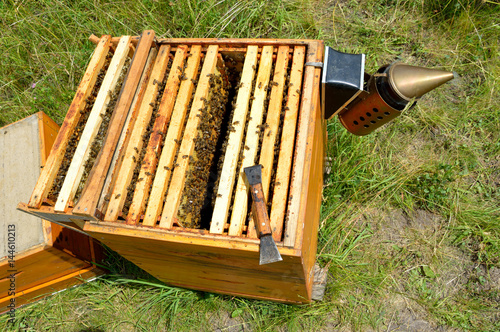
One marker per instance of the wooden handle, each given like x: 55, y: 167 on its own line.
x: 259, y: 210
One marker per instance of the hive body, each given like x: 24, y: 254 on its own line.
x: 167, y: 190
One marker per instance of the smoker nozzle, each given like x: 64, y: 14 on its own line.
x: 363, y: 106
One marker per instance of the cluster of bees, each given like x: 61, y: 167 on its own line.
x: 75, y: 137
x: 145, y: 139
x: 208, y: 132
x: 103, y: 128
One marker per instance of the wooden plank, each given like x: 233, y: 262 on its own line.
x: 299, y: 184
x: 48, y: 132
x: 187, y: 145
x: 214, y: 263
x: 165, y: 165
x: 239, y: 213
x: 271, y: 126
x: 165, y: 108
x: 127, y: 128
x: 228, y: 174
x: 54, y: 161
x: 131, y: 154
x: 281, y: 183
x: 75, y: 171
x: 307, y: 232
x: 91, y: 193
x: 38, y: 268
x: 50, y: 287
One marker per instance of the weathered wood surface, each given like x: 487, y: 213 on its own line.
x: 153, y: 149
x: 229, y: 168
x: 54, y: 161
x: 172, y: 140
x: 251, y: 145
x: 135, y: 143
x: 187, y: 144
x: 281, y: 183
x: 91, y: 193
x: 75, y: 171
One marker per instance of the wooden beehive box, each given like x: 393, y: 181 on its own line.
x: 37, y: 257
x: 150, y: 159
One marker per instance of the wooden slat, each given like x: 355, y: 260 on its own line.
x: 230, y: 164
x: 75, y: 171
x: 187, y: 145
x: 54, y: 161
x: 90, y: 196
x: 165, y: 108
x: 162, y: 176
x: 280, y: 192
x: 239, y: 213
x: 271, y: 128
x: 127, y: 128
x: 303, y: 151
x: 134, y: 146
x: 38, y: 268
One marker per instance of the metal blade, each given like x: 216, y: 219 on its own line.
x: 268, y: 251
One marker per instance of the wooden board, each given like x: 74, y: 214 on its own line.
x: 239, y: 213
x: 131, y: 155
x: 229, y: 168
x: 41, y: 267
x: 153, y: 149
x: 50, y: 287
x: 281, y: 184
x: 187, y: 145
x: 41, y: 273
x: 302, y: 165
x: 90, y: 195
x: 54, y: 161
x: 75, y: 171
x: 209, y: 263
x: 271, y: 126
x: 172, y: 140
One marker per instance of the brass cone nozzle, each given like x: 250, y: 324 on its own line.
x: 412, y: 82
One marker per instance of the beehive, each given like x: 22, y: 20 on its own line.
x: 150, y: 159
x: 37, y: 257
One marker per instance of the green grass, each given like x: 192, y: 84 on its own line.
x: 409, y: 227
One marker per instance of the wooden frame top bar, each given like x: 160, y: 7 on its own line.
x: 233, y: 42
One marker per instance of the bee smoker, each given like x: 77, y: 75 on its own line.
x: 366, y: 102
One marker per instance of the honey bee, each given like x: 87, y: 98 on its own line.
x: 117, y: 196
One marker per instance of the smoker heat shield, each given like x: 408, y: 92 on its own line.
x: 342, y: 80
